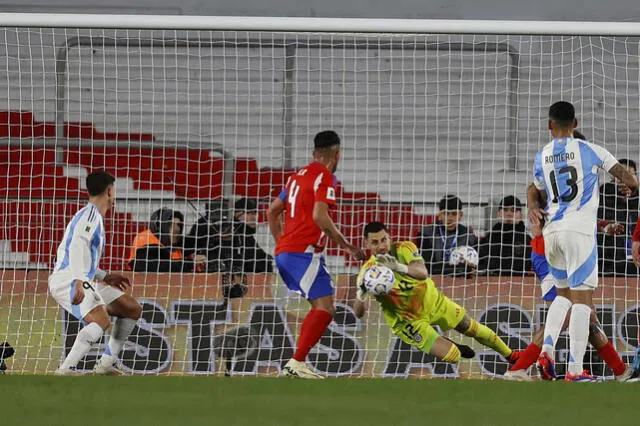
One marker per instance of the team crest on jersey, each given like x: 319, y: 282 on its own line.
x: 87, y: 229
x: 331, y: 194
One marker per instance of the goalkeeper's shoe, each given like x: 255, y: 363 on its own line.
x: 466, y: 352
x: 518, y: 376
x: 546, y: 367
x: 107, y: 370
x: 300, y: 370
x: 582, y: 377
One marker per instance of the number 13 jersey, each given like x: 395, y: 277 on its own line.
x: 567, y: 169
x: 311, y: 184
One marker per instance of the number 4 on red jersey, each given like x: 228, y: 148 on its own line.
x: 311, y: 184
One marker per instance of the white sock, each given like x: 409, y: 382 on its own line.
x: 120, y: 331
x: 553, y: 325
x: 578, y: 336
x: 90, y: 334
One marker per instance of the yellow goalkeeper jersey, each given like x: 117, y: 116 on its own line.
x: 410, y: 298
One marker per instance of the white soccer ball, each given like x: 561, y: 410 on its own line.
x: 462, y: 253
x: 378, y: 280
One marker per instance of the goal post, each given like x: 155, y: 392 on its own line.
x: 195, y: 114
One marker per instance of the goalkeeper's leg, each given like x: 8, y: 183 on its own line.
x: 451, y: 315
x: 483, y: 334
x: 466, y: 352
x: 424, y: 337
x: 445, y: 350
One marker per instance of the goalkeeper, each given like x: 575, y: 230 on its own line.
x: 414, y: 305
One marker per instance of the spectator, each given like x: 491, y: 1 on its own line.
x: 438, y: 240
x: 159, y: 248
x: 617, y: 216
x: 255, y: 260
x: 213, y: 237
x: 505, y: 250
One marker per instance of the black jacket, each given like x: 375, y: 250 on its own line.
x: 236, y: 250
x: 506, y: 250
x: 254, y: 259
x: 155, y: 258
x: 435, y: 241
x: 616, y: 208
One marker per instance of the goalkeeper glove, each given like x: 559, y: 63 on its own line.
x: 392, y: 263
x: 361, y: 293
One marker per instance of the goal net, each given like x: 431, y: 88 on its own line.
x: 200, y: 121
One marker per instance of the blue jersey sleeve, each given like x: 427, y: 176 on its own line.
x: 540, y: 265
x: 538, y: 173
x: 283, y: 195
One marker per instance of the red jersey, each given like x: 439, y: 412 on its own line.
x: 537, y: 245
x: 313, y: 183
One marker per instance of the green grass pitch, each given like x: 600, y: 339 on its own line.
x: 158, y: 401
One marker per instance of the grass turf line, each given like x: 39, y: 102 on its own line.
x: 157, y: 401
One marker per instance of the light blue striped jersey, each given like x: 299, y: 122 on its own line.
x: 81, y: 248
x: 567, y: 169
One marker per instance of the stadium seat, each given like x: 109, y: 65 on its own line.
x: 189, y: 173
x: 38, y: 227
x: 38, y: 180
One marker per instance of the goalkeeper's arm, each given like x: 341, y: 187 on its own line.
x: 415, y: 268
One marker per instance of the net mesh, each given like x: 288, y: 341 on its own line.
x: 194, y: 121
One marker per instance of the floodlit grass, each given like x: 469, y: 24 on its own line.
x: 153, y: 400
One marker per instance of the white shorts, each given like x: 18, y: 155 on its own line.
x: 548, y: 285
x: 573, y: 259
x: 95, y: 294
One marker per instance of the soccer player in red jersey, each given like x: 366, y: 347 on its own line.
x: 305, y: 203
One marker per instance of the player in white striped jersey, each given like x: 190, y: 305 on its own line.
x: 566, y: 185
x: 74, y: 282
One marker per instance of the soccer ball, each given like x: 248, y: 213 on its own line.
x: 378, y: 280
x: 459, y: 254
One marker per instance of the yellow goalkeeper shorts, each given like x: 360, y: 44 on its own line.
x: 440, y: 311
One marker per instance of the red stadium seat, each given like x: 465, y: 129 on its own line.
x: 189, y: 173
x: 13, y: 155
x: 38, y: 227
x: 37, y: 180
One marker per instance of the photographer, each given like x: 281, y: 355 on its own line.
x: 159, y: 247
